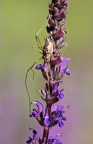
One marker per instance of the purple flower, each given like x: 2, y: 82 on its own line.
x: 57, y: 92
x: 34, y: 137
x: 60, y: 94
x: 29, y: 140
x: 63, y: 66
x: 59, y: 115
x: 60, y: 122
x: 56, y: 86
x: 37, y: 112
x: 39, y: 67
x: 54, y: 140
x: 47, y: 120
x: 44, y: 69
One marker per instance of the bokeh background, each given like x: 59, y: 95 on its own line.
x: 19, y: 22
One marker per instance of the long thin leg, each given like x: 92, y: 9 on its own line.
x: 38, y: 42
x: 36, y: 49
x: 37, y: 34
x: 30, y: 68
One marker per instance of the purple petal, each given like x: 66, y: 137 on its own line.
x: 67, y: 71
x: 54, y: 140
x: 57, y: 107
x: 34, y: 134
x: 45, y: 65
x: 54, y: 108
x: 59, y: 114
x: 35, y: 112
x: 58, y: 135
x: 56, y: 86
x: 60, y: 107
x: 29, y: 140
x: 61, y: 95
x: 39, y: 105
x: 64, y: 117
x: 47, y: 121
x: 64, y: 62
x: 39, y: 67
x: 61, y: 124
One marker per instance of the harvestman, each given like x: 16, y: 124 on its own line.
x: 47, y: 51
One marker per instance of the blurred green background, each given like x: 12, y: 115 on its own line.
x: 19, y: 22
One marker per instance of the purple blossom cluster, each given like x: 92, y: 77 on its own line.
x: 53, y: 69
